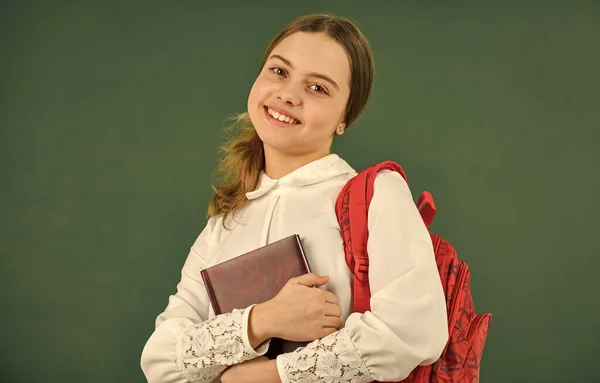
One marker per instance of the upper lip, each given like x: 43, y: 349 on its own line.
x: 283, y: 111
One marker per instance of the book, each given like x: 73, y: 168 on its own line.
x: 256, y: 277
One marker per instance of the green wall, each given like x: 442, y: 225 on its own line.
x: 110, y: 117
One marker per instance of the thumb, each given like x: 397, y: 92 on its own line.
x: 310, y: 280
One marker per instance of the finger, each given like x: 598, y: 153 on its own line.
x: 332, y: 322
x: 333, y: 310
x: 326, y: 331
x: 310, y: 280
x: 330, y: 297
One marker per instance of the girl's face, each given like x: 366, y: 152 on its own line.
x: 299, y: 98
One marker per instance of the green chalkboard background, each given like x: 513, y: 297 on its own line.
x: 110, y: 117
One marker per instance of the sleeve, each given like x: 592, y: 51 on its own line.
x: 185, y: 346
x: 407, y: 325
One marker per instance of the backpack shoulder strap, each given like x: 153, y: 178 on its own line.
x: 351, y: 208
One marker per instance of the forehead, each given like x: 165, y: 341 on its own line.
x: 315, y: 52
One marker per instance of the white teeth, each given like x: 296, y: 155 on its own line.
x: 281, y: 117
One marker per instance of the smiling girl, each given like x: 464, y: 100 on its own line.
x: 280, y: 178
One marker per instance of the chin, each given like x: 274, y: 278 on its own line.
x: 273, y: 138
x: 275, y: 141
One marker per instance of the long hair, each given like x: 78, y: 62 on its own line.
x: 243, y: 153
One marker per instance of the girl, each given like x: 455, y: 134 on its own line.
x: 280, y: 178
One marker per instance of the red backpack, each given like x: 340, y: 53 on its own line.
x: 461, y: 357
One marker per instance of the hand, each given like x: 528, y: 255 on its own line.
x: 298, y: 313
x: 257, y: 370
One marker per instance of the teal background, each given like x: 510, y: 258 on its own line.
x: 111, y: 114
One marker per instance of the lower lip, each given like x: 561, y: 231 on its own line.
x: 276, y: 122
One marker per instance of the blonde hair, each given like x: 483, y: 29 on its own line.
x: 243, y: 154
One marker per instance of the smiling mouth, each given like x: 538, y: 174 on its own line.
x: 281, y: 117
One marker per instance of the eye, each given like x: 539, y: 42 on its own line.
x: 278, y: 71
x: 319, y: 88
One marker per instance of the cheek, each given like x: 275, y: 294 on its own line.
x: 252, y: 97
x: 257, y: 94
x: 323, y: 115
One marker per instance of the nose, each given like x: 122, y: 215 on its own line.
x: 289, y: 94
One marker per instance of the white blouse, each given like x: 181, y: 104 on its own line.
x: 406, y: 327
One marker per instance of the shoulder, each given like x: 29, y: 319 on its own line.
x: 390, y: 183
x: 208, y: 234
x: 392, y: 206
x: 392, y: 198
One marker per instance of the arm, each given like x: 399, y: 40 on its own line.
x: 407, y: 324
x: 185, y: 346
x: 258, y: 370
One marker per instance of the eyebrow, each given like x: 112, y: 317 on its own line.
x: 314, y: 74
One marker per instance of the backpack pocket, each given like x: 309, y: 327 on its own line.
x: 476, y: 336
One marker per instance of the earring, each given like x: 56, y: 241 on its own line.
x: 341, y: 129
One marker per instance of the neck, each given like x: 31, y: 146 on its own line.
x: 279, y: 164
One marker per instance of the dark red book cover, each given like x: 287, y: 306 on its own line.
x: 256, y: 277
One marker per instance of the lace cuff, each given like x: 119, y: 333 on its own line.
x: 331, y: 359
x: 206, y: 349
